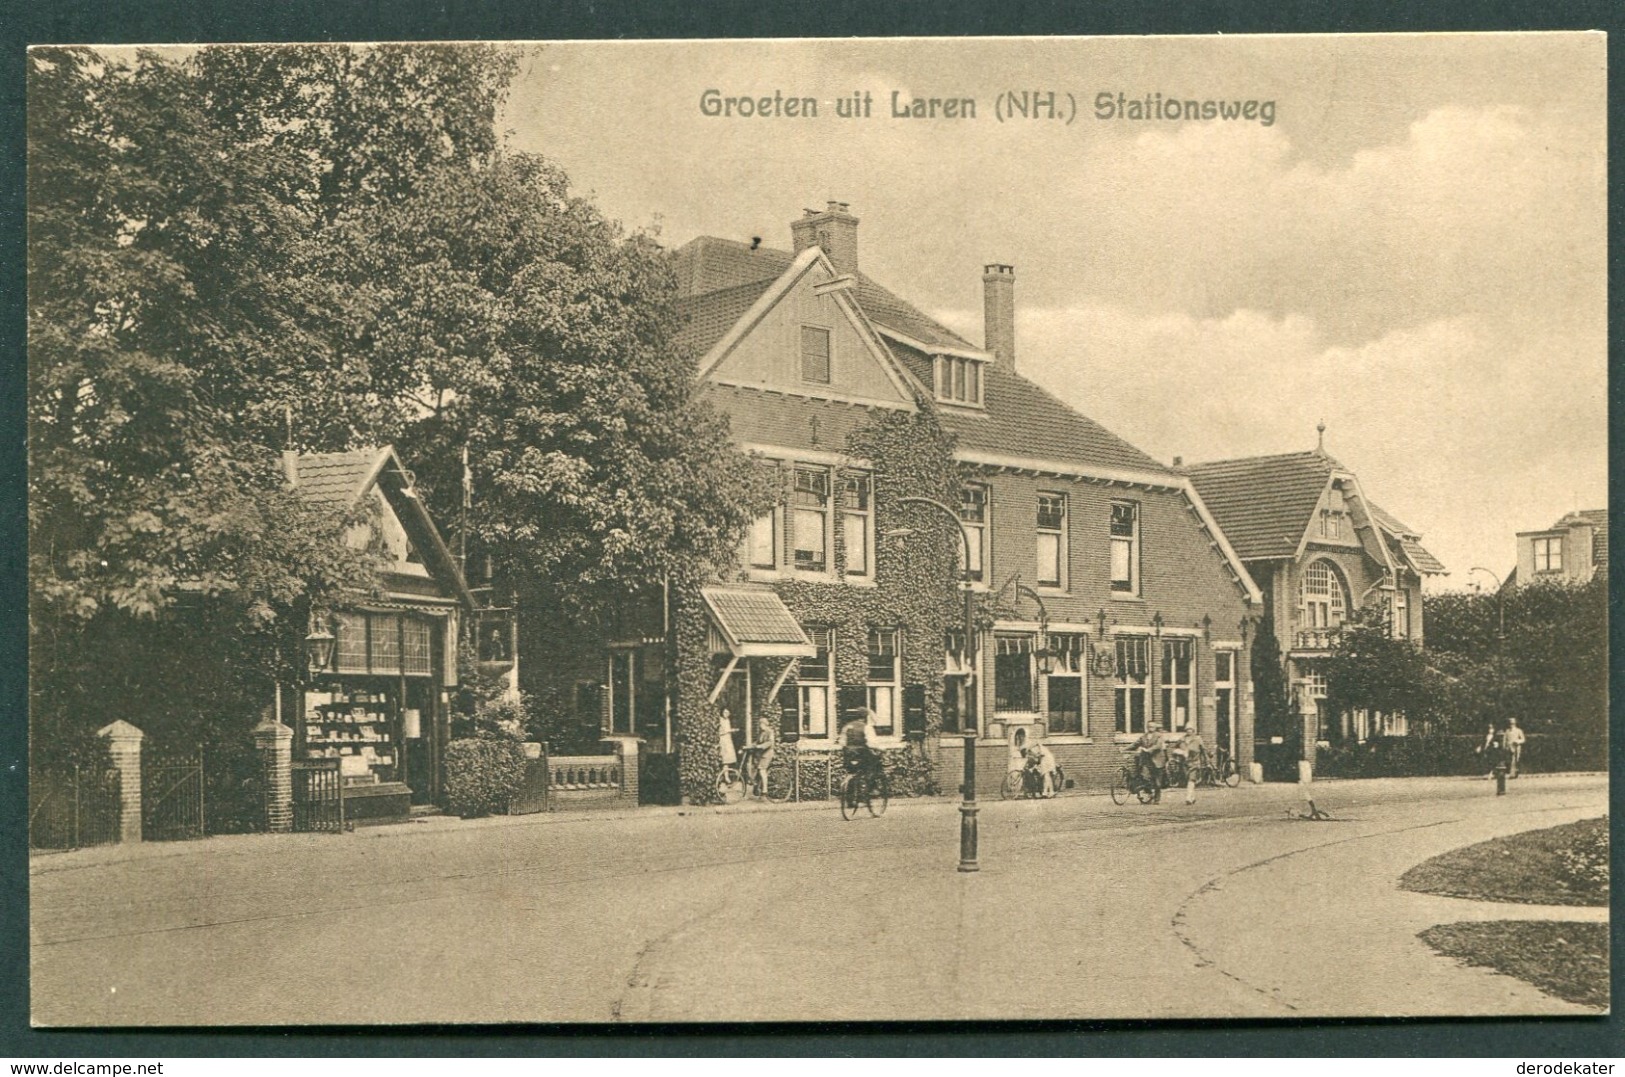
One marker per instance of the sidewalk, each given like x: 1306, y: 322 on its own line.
x: 1345, y: 942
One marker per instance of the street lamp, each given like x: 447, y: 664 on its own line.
x: 318, y: 646
x: 968, y: 808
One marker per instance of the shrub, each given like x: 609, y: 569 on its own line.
x: 483, y: 774
x: 1585, y: 863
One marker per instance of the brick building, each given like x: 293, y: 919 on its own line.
x: 1108, y: 596
x: 1319, y: 549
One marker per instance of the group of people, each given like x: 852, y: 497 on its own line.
x: 1502, y: 747
x: 1152, y: 753
x: 855, y: 739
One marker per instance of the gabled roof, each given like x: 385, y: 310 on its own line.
x: 710, y: 264
x: 722, y: 279
x: 1021, y: 419
x: 1264, y: 503
x: 339, y: 480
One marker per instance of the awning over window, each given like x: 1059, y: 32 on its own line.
x: 756, y: 624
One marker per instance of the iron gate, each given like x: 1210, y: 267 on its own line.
x: 318, y: 795
x: 73, y: 807
x: 172, y: 797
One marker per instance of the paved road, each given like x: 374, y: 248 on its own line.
x: 1082, y: 909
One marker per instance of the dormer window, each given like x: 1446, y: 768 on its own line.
x: 959, y: 380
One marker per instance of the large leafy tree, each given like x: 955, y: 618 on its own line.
x: 326, y: 247
x: 184, y: 304
x: 538, y: 339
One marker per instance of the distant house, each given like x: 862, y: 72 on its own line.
x: 1111, y: 598
x: 1319, y: 549
x: 1573, y: 549
x: 380, y: 705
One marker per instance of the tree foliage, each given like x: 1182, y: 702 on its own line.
x: 1371, y: 669
x: 325, y: 247
x: 1551, y: 672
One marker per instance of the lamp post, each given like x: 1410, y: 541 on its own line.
x: 967, y: 808
x: 1500, y: 668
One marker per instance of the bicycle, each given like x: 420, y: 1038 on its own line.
x: 730, y: 785
x: 1028, y: 783
x: 858, y: 790
x: 1127, y: 783
x: 1217, y: 771
x: 752, y: 773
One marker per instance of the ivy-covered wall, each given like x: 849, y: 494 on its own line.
x: 914, y: 590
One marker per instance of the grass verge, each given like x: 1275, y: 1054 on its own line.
x: 1568, y: 960
x: 1562, y: 865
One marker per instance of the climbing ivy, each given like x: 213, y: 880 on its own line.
x: 913, y: 591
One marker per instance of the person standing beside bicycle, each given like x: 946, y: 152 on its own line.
x: 1151, y: 758
x: 1194, y: 751
x: 767, y: 743
x: 855, y: 740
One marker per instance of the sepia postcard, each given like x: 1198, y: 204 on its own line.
x: 851, y: 530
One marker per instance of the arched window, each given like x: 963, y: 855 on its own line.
x: 1322, y: 596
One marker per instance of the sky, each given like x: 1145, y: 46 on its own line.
x: 1412, y: 252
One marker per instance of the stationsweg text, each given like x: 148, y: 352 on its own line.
x: 1009, y: 106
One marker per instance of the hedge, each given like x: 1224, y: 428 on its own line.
x: 910, y: 773
x: 482, y: 774
x: 1452, y: 755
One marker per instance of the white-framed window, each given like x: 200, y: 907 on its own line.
x: 1013, y: 673
x: 958, y: 684
x: 815, y: 361
x: 811, y: 504
x: 1125, y: 547
x: 1178, y: 679
x: 1549, y: 554
x: 1334, y: 515
x: 1051, y: 551
x: 1064, y: 687
x: 1322, y: 596
x: 1313, y: 682
x: 812, y: 697
x: 1132, y: 688
x: 857, y: 522
x: 1402, y: 614
x: 885, y: 654
x: 959, y: 380
x: 1224, y: 699
x: 973, y: 514
x: 763, y: 545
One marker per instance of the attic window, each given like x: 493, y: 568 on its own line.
x: 815, y: 354
x: 959, y: 380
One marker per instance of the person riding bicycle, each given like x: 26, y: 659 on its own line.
x: 1150, y: 757
x: 855, y: 739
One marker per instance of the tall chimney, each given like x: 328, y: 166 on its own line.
x: 999, y: 313
x: 833, y: 229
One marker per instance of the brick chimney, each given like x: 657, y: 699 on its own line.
x: 833, y: 229
x: 999, y: 313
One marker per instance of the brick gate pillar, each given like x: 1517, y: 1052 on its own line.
x: 124, y: 746
x: 273, y: 743
x: 626, y: 750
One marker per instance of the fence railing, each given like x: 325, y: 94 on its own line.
x: 73, y: 807
x: 318, y: 795
x: 172, y: 797
x: 567, y: 773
